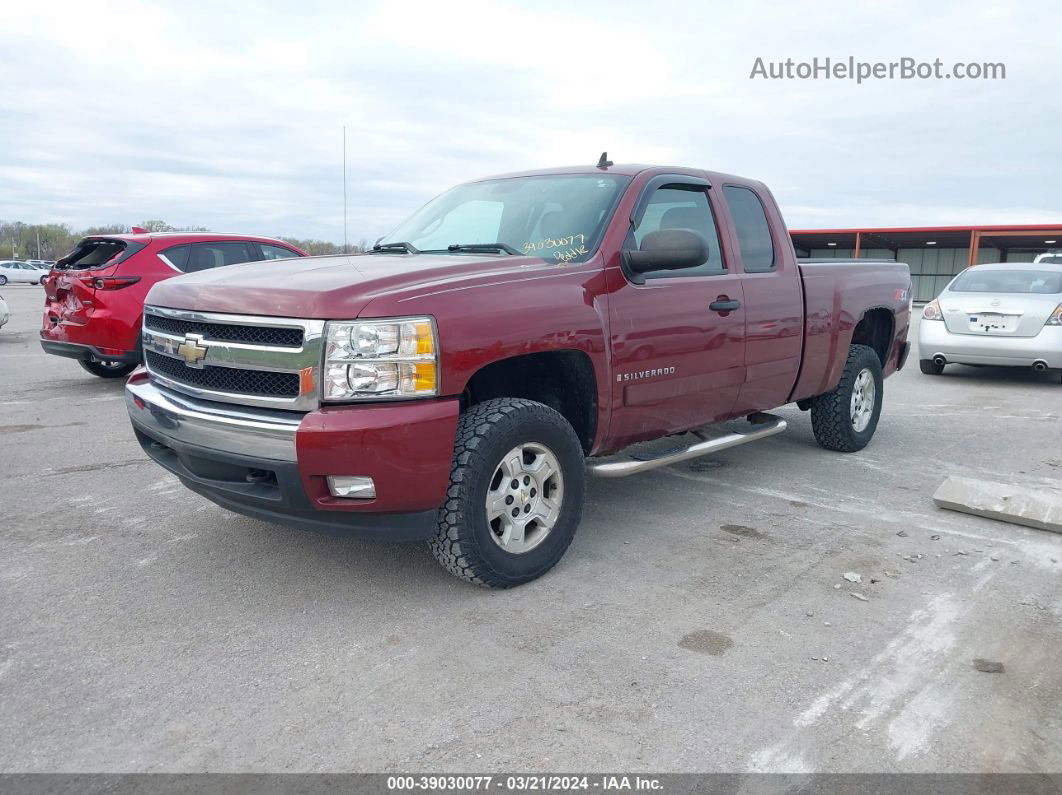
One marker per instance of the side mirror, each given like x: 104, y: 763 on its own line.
x: 667, y: 250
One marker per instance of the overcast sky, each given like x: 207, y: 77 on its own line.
x: 229, y: 115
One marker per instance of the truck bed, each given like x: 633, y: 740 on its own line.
x: 837, y: 293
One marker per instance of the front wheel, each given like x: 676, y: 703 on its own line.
x: 845, y: 419
x: 3, y: 280
x: 107, y: 369
x: 515, y: 496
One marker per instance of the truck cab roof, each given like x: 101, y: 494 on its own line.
x: 626, y: 170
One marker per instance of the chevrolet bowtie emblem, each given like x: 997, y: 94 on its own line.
x: 191, y: 351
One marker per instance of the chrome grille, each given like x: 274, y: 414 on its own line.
x: 226, y: 379
x: 243, y: 359
x: 252, y: 335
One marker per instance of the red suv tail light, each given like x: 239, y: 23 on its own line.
x: 112, y: 282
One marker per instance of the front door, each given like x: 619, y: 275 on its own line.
x: 678, y: 340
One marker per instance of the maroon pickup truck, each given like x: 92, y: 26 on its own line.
x: 457, y: 383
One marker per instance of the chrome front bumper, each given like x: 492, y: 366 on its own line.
x: 259, y: 433
x: 934, y: 339
x: 244, y: 460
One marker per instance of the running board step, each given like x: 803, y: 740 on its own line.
x: 763, y: 425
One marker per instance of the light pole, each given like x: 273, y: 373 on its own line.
x: 345, y: 249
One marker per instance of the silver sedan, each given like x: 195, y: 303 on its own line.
x: 1007, y: 314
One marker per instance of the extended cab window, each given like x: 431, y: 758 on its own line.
x: 216, y: 255
x: 753, y: 231
x: 675, y: 207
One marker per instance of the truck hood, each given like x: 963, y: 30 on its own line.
x: 329, y: 287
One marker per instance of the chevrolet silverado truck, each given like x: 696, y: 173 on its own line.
x: 457, y: 383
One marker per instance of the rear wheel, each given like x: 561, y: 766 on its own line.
x: 107, y: 369
x: 515, y: 496
x: 3, y: 280
x: 42, y: 281
x: 846, y: 418
x: 929, y: 367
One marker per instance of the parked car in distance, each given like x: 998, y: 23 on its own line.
x: 40, y: 264
x: 17, y: 272
x: 1007, y: 314
x: 94, y: 301
x: 455, y: 384
x: 1050, y: 257
x: 5, y: 313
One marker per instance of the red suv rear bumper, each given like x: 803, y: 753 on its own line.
x: 75, y: 350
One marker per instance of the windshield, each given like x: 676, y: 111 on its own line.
x: 560, y: 218
x: 1001, y: 281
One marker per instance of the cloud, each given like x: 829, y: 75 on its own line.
x: 230, y: 115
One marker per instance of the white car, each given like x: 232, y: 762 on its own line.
x: 15, y: 272
x: 5, y: 313
x: 1051, y: 257
x: 1007, y: 314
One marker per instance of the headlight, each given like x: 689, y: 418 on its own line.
x: 381, y: 359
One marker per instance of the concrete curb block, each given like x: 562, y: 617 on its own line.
x: 1040, y: 508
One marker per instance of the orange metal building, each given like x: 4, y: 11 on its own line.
x: 935, y: 253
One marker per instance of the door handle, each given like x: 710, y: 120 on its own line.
x: 724, y: 304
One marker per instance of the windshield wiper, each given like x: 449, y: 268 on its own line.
x: 481, y: 247
x: 409, y: 248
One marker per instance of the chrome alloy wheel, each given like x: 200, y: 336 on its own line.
x: 864, y: 395
x: 524, y: 498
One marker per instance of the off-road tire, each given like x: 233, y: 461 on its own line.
x: 831, y: 414
x: 108, y: 370
x: 463, y: 543
x: 929, y: 367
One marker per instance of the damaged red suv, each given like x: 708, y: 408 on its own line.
x: 94, y: 302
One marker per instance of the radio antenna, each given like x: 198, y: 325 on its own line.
x: 604, y: 162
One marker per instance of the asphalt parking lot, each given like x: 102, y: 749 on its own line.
x: 699, y: 622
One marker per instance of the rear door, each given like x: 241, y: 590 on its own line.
x: 677, y: 362
x: 774, y: 301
